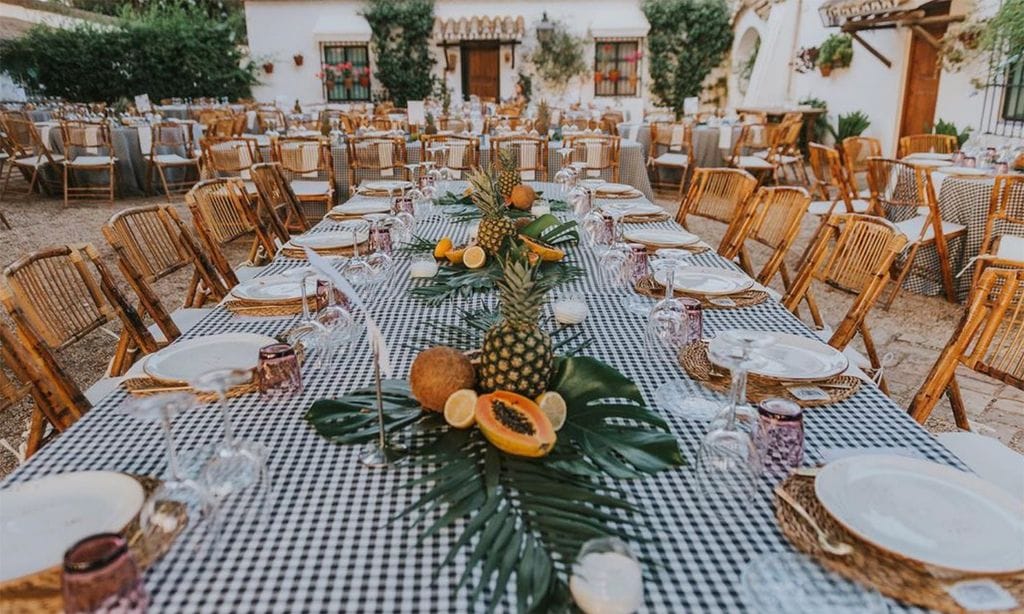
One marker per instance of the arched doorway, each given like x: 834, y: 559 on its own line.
x: 745, y: 56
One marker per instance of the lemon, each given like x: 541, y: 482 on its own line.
x: 553, y: 405
x: 442, y: 247
x: 475, y: 257
x: 460, y: 409
x: 454, y: 256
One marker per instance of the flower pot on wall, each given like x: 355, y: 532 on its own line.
x: 598, y: 77
x: 613, y: 76
x: 330, y: 84
x: 364, y: 80
x: 298, y: 59
x: 268, y: 67
x: 826, y: 69
x: 347, y: 82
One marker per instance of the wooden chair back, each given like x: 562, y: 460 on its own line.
x: 276, y: 195
x: 600, y: 152
x: 830, y: 180
x: 988, y: 340
x: 753, y: 117
x: 222, y: 213
x: 172, y: 137
x: 1005, y: 214
x: 896, y: 192
x: 378, y: 156
x: 531, y: 152
x: 24, y: 138
x: 462, y: 153
x: 452, y: 124
x: 855, y: 153
x: 381, y: 123
x: 304, y: 157
x: 232, y: 156
x: 718, y: 194
x: 927, y: 143
x: 772, y: 219
x: 89, y: 138
x: 271, y: 118
x: 671, y: 137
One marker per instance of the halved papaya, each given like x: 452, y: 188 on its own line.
x: 514, y: 424
x: 547, y: 253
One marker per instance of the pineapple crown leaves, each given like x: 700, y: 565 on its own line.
x: 507, y: 159
x: 486, y: 195
x: 521, y: 290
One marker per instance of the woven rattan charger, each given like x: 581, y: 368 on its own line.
x: 748, y: 298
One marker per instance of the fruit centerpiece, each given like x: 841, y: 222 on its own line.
x: 522, y: 446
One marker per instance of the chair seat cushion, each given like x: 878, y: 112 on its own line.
x: 753, y: 162
x: 821, y: 207
x: 989, y: 458
x: 1011, y: 247
x: 250, y: 188
x: 912, y: 228
x: 37, y: 160
x: 91, y: 161
x: 174, y: 159
x: 672, y: 159
x: 184, y: 318
x: 305, y: 187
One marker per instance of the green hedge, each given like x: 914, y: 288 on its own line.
x: 402, y: 30
x: 167, y: 53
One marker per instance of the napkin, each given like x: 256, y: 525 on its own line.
x: 527, y: 161
x: 301, y: 156
x: 145, y: 139
x: 676, y: 141
x: 725, y: 137
x: 594, y: 150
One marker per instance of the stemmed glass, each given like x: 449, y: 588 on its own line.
x: 613, y: 267
x: 237, y: 463
x: 667, y: 334
x: 177, y: 488
x: 337, y: 328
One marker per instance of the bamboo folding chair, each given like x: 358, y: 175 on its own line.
x: 150, y: 245
x: 855, y: 152
x: 853, y: 253
x: 29, y: 371
x: 63, y: 301
x: 384, y: 124
x: 832, y: 185
x: 772, y: 219
x: 276, y: 195
x: 378, y: 156
x: 271, y: 119
x: 170, y: 140
x: 752, y: 138
x: 232, y: 157
x: 671, y: 148
x: 530, y: 153
x: 221, y: 214
x: 988, y: 340
x: 905, y: 195
x: 927, y: 143
x: 600, y: 153
x: 1004, y: 228
x: 87, y: 148
x: 452, y: 124
x: 308, y: 162
x: 459, y: 154
x: 719, y: 194
x: 28, y: 155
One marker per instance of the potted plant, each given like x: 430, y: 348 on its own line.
x: 364, y: 76
x: 347, y: 76
x: 598, y: 77
x: 613, y: 75
x: 327, y: 75
x: 835, y: 52
x: 268, y: 67
x: 806, y: 59
x: 298, y: 59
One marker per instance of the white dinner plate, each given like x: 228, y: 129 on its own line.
x: 633, y: 208
x: 791, y: 357
x: 964, y: 171
x: 925, y: 511
x: 361, y: 207
x: 615, y: 188
x: 274, y: 289
x: 42, y: 518
x: 662, y: 238
x: 593, y: 184
x: 706, y: 281
x: 183, y: 361
x: 328, y: 240
x: 927, y: 162
x: 927, y: 155
x: 383, y: 185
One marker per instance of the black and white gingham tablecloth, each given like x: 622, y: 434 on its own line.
x: 329, y: 542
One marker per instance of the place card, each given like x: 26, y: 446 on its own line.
x: 985, y: 594
x: 808, y: 393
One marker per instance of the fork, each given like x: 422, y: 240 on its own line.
x: 837, y: 548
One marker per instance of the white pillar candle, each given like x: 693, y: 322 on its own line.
x: 423, y: 268
x: 539, y: 210
x: 570, y: 311
x: 607, y: 583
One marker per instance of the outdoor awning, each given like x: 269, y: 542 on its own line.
x: 480, y: 27
x: 338, y: 28
x: 626, y: 21
x: 835, y: 13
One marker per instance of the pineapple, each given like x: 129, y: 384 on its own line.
x: 508, y: 177
x: 543, y: 121
x: 495, y: 226
x: 516, y: 354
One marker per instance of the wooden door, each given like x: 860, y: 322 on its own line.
x: 481, y: 70
x: 922, y: 88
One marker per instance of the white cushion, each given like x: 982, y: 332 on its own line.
x: 250, y: 188
x: 924, y: 210
x: 91, y: 161
x: 787, y: 159
x: 865, y: 193
x: 37, y: 160
x: 821, y: 207
x: 245, y: 273
x: 184, y: 318
x: 672, y: 159
x: 753, y: 162
x: 912, y: 228
x: 989, y: 458
x: 3, y: 156
x: 173, y: 159
x: 303, y: 187
x: 1011, y: 247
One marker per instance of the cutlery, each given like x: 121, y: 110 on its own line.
x: 832, y: 547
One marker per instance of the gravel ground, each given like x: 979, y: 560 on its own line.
x: 914, y: 330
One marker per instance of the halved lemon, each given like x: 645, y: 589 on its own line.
x: 553, y: 405
x: 454, y: 256
x: 442, y: 247
x: 460, y: 409
x: 475, y: 257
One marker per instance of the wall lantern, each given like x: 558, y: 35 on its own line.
x: 545, y: 28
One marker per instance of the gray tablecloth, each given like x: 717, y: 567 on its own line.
x: 707, y: 153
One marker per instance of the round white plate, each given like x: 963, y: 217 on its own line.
x: 593, y: 183
x: 927, y: 155
x: 329, y: 240
x: 274, y: 289
x: 706, y: 281
x: 926, y: 511
x: 41, y: 519
x: 362, y: 207
x: 663, y: 238
x: 964, y: 171
x: 615, y: 188
x: 791, y: 357
x: 633, y: 208
x: 928, y: 162
x: 183, y: 361
x: 386, y: 184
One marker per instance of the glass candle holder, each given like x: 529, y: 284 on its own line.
x: 423, y: 265
x: 402, y: 204
x: 277, y: 372
x: 569, y: 308
x: 639, y: 265
x: 779, y: 436
x: 100, y: 575
x: 380, y: 238
x: 694, y: 313
x: 607, y: 578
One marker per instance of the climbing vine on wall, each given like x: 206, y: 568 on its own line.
x: 401, y: 31
x: 687, y: 40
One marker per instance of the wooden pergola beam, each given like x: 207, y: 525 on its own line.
x: 875, y: 52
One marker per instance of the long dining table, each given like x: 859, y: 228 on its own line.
x: 330, y: 540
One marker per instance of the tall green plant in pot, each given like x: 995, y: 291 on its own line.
x: 849, y: 124
x: 687, y: 40
x: 401, y: 33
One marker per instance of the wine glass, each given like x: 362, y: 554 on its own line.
x: 237, y: 463
x: 177, y: 489
x: 668, y: 332
x: 613, y: 263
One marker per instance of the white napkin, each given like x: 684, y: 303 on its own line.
x: 676, y: 142
x: 594, y: 150
x: 725, y: 137
x: 145, y: 139
x: 386, y: 158
x: 302, y: 156
x: 527, y: 160
x: 633, y: 132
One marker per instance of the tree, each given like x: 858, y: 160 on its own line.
x: 687, y: 40
x: 401, y: 31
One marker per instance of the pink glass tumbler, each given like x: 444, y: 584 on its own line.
x: 100, y: 575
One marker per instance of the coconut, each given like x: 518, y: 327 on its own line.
x: 436, y: 373
x: 522, y: 197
